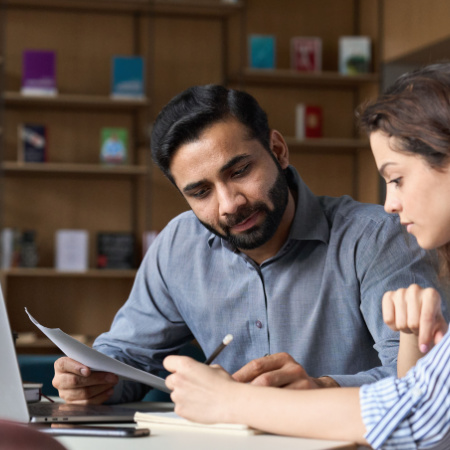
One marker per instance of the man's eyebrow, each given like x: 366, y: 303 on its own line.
x: 232, y: 162
x: 192, y: 186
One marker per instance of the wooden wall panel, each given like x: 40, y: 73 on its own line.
x: 410, y: 25
x: 336, y: 169
x: 187, y: 52
x: 90, y: 304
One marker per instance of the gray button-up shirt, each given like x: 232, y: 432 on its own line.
x: 318, y: 299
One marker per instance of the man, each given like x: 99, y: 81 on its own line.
x: 297, y: 279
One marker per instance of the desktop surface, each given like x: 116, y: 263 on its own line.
x: 163, y: 439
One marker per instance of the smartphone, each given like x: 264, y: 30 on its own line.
x: 77, y: 430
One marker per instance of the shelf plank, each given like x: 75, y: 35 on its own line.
x: 210, y: 8
x: 53, y: 273
x: 15, y: 99
x: 289, y: 78
x: 17, y: 168
x: 189, y: 8
x: 326, y: 145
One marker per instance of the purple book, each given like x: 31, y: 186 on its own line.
x: 39, y: 72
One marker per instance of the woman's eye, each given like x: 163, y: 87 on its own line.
x: 395, y: 182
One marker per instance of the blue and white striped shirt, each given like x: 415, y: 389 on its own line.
x: 414, y: 411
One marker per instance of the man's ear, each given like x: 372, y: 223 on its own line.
x: 279, y: 148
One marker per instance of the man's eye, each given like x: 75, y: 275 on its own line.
x: 202, y: 193
x: 241, y: 171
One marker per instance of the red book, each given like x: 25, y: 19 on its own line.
x: 308, y: 121
x: 306, y: 54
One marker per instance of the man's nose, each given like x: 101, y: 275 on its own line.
x: 230, y: 200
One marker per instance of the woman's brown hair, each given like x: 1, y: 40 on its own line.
x: 416, y: 110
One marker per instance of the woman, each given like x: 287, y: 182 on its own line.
x: 409, y: 130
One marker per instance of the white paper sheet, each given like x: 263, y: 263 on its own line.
x: 98, y: 361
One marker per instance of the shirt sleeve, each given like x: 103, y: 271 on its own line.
x: 147, y: 327
x: 388, y: 259
x: 412, y: 412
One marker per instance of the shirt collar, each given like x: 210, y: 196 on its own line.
x: 310, y: 222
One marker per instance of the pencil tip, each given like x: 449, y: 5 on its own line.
x: 227, y: 339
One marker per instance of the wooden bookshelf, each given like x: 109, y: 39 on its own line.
x: 50, y: 273
x: 96, y: 102
x: 12, y: 168
x: 291, y: 78
x: 73, y: 189
x: 189, y: 8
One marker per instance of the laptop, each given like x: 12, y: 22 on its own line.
x: 13, y: 405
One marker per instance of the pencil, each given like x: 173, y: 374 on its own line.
x: 226, y: 340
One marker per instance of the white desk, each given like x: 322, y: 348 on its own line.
x: 160, y: 439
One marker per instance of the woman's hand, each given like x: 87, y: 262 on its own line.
x: 416, y: 311
x: 417, y: 314
x: 201, y: 393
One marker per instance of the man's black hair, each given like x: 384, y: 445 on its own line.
x: 189, y: 113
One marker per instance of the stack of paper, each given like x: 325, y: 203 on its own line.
x: 171, y: 420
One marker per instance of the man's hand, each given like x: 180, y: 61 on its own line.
x: 280, y: 370
x: 416, y: 311
x: 77, y: 384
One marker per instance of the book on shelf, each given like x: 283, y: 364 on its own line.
x: 306, y: 54
x: 171, y: 420
x: 262, y: 51
x: 71, y: 250
x: 10, y: 248
x: 39, y: 72
x: 114, y: 145
x: 18, y: 248
x: 127, y: 77
x: 308, y: 121
x: 32, y: 142
x: 355, y: 55
x: 115, y: 250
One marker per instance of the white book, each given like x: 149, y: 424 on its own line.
x: 171, y: 420
x: 355, y: 54
x: 72, y: 250
x: 7, y: 247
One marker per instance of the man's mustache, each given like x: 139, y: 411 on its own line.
x: 242, y: 215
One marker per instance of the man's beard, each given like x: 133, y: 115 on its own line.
x: 259, y: 234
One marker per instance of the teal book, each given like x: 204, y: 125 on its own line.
x: 262, y: 51
x: 127, y: 78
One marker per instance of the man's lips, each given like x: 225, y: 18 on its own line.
x: 247, y: 223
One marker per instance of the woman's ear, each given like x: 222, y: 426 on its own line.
x: 279, y: 148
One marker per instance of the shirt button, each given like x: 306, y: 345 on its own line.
x: 259, y: 324
x: 416, y: 393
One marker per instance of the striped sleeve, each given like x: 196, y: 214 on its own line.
x: 412, y: 412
